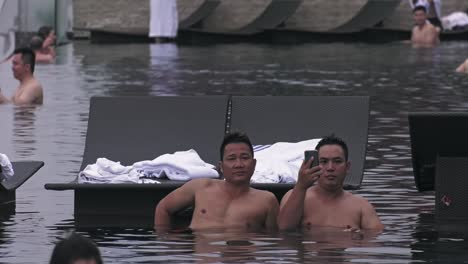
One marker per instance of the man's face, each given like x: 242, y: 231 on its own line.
x: 334, y: 165
x: 419, y: 17
x: 18, y: 67
x: 238, y: 164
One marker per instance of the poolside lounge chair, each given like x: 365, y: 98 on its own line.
x: 23, y: 171
x: 130, y: 129
x: 270, y: 119
x: 440, y: 162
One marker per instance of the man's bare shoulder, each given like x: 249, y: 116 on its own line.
x: 357, y: 199
x: 267, y: 195
x: 203, y: 182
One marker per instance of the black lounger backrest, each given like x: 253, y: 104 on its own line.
x: 435, y: 134
x: 270, y: 119
x: 130, y: 129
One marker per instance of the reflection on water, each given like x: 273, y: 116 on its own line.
x: 398, y: 78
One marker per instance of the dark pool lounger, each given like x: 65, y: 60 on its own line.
x: 23, y: 171
x: 129, y: 129
x: 439, y: 152
x: 269, y: 119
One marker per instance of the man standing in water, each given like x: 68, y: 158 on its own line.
x: 326, y: 204
x: 423, y: 33
x: 30, y: 90
x: 228, y: 203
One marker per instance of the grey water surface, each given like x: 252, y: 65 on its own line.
x: 398, y: 78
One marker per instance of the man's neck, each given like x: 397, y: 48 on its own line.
x: 235, y: 190
x: 330, y: 192
x: 26, y: 79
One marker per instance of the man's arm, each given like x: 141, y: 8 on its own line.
x: 292, y: 204
x: 29, y: 95
x: 271, y: 219
x: 369, y: 217
x: 3, y: 99
x: 461, y: 68
x: 177, y: 200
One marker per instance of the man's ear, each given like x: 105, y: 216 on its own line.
x: 220, y: 165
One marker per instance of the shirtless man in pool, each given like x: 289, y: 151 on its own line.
x: 30, y: 90
x: 228, y: 203
x: 424, y: 33
x: 326, y: 204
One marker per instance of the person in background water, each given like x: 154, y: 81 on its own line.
x: 229, y: 203
x: 36, y: 44
x: 76, y: 249
x: 30, y: 90
x: 433, y: 9
x: 423, y: 33
x: 48, y: 35
x: 326, y: 204
x: 463, y: 68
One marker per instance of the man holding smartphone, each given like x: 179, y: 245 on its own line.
x: 326, y: 204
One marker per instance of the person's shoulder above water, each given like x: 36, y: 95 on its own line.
x: 463, y: 68
x: 36, y: 44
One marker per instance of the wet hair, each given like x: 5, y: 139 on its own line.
x: 75, y: 247
x: 333, y: 140
x: 235, y: 137
x: 28, y: 56
x: 36, y: 43
x: 44, y: 31
x: 419, y: 8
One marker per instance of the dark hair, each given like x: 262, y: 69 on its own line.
x: 73, y: 248
x: 333, y: 140
x: 44, y: 31
x: 235, y: 137
x: 28, y: 56
x: 36, y: 43
x: 418, y: 8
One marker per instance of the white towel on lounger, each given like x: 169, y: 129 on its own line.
x: 107, y: 171
x: 280, y: 162
x: 7, y: 168
x: 180, y: 166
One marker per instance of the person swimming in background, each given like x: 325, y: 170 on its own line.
x: 30, y: 90
x: 423, y: 33
x: 47, y: 33
x: 36, y: 44
x: 463, y: 68
x: 433, y: 9
x: 76, y: 249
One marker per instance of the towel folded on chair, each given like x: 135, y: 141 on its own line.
x: 180, y: 166
x: 6, y: 167
x: 280, y: 162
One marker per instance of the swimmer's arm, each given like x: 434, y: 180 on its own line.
x: 3, y: 99
x: 177, y: 200
x: 291, y: 209
x: 369, y: 217
x: 271, y: 222
x: 461, y: 68
x: 27, y: 97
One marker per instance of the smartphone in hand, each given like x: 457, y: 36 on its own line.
x: 312, y: 153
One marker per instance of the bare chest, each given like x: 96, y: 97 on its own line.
x: 331, y: 214
x: 217, y: 208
